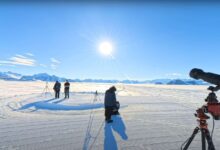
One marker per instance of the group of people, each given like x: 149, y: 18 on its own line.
x: 57, y: 87
x: 111, y: 104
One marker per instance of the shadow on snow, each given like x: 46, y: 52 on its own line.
x: 119, y: 127
x: 54, y: 105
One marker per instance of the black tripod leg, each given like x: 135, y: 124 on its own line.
x: 209, y: 139
x: 203, y: 136
x: 196, y: 130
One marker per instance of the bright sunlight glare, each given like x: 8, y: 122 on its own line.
x: 106, y: 48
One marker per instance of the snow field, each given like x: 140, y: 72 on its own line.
x: 153, y: 117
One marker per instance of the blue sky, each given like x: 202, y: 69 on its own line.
x: 150, y: 40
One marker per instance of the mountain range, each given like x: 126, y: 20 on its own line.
x: 11, y: 76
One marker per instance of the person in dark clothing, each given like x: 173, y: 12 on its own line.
x: 110, y: 103
x: 67, y: 89
x: 56, y: 89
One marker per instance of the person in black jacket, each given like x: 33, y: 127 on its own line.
x: 110, y: 103
x: 56, y: 89
x: 67, y: 89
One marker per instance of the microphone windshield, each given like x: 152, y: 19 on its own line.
x: 196, y: 73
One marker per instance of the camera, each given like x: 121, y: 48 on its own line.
x: 213, y: 105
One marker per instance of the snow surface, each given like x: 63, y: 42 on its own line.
x: 153, y: 117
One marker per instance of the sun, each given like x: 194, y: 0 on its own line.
x: 106, y: 48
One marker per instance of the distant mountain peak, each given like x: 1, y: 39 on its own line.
x: 11, y: 76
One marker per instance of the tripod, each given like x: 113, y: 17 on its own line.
x: 203, y: 126
x: 205, y: 135
x: 46, y: 90
x: 89, y: 127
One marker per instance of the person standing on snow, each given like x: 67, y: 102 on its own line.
x: 110, y: 103
x: 56, y: 89
x: 66, y: 89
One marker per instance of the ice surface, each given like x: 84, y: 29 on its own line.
x: 153, y: 117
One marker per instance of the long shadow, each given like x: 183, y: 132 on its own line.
x: 54, y: 105
x: 49, y: 100
x: 118, y: 126
x: 59, y: 101
x: 34, y: 104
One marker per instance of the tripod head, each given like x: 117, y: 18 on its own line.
x: 212, y: 106
x: 212, y: 98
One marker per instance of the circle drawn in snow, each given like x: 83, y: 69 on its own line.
x: 14, y: 105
